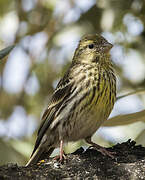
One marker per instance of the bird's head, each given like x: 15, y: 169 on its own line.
x: 92, y: 48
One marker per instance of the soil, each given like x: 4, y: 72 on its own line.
x: 128, y: 164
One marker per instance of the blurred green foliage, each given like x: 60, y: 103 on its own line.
x: 60, y: 23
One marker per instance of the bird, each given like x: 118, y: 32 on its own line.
x: 82, y: 101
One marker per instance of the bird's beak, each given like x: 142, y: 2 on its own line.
x: 107, y: 46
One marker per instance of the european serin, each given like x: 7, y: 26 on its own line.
x: 82, y: 100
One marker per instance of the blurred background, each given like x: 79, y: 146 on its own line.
x: 46, y: 33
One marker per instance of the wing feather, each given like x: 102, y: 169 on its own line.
x: 63, y: 90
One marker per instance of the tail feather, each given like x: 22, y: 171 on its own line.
x: 38, y: 155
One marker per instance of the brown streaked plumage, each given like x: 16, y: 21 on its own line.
x: 82, y: 101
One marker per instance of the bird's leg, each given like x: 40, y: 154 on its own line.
x: 101, y: 149
x: 61, y: 155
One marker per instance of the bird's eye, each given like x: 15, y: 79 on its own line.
x: 91, y: 46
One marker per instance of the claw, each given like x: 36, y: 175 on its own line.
x: 105, y: 152
x: 101, y: 149
x: 60, y: 159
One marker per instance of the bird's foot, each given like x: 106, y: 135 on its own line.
x: 60, y: 158
x: 61, y: 155
x: 101, y: 149
x: 104, y: 151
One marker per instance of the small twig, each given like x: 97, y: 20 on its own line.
x: 131, y: 93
